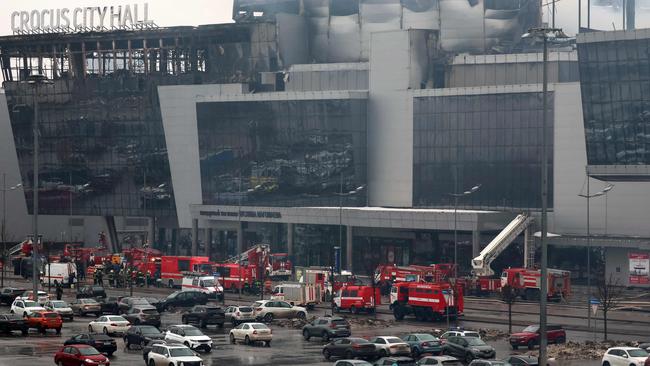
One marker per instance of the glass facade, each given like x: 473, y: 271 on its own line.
x: 615, y: 83
x: 490, y: 139
x: 283, y: 153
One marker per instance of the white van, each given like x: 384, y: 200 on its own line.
x: 59, y: 272
x: 206, y: 284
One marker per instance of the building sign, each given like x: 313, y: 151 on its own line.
x: 89, y: 19
x: 639, y: 268
x: 242, y: 214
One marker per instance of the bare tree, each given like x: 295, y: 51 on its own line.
x: 609, y: 294
x: 509, y: 296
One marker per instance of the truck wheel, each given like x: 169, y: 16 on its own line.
x: 352, y: 309
x: 397, y: 313
x: 306, y: 335
x: 515, y: 347
x: 531, y: 344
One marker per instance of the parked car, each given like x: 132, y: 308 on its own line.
x: 458, y: 333
x: 422, y: 343
x: 391, y: 346
x: 109, y: 324
x: 90, y: 291
x: 60, y: 307
x: 85, y: 306
x: 204, y: 315
x: 44, y: 320
x: 488, y: 363
x: 25, y: 307
x: 13, y: 322
x: 109, y: 305
x: 128, y: 302
x: 189, y: 336
x: 442, y: 361
x: 41, y: 296
x: 350, y: 348
x: 181, y: 299
x: 522, y: 360
x: 142, y: 335
x: 327, y: 327
x: 9, y: 294
x: 239, y: 314
x: 624, y: 356
x: 251, y: 332
x: 155, y: 302
x: 352, y: 363
x: 100, y: 342
x: 81, y: 355
x: 146, y: 349
x: 143, y: 314
x: 529, y: 336
x: 467, y: 348
x: 268, y: 310
x: 165, y: 354
x: 395, y: 360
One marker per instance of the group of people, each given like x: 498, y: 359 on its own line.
x: 121, y: 275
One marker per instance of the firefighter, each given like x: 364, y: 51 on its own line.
x: 140, y: 278
x: 100, y: 278
x: 59, y: 290
x: 111, y: 278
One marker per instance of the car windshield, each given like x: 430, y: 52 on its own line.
x: 30, y: 304
x: 361, y: 363
x: 192, y: 332
x: 475, y: 341
x: 637, y: 353
x: 339, y: 322
x: 150, y: 311
x: 394, y: 340
x: 208, y: 283
x: 245, y: 309
x: 59, y: 304
x: 116, y: 319
x: 51, y: 315
x: 181, y: 352
x: 88, y: 351
x: 149, y: 330
x: 359, y: 341
x: 139, y: 302
x: 98, y: 288
x: 88, y: 301
x: 427, y: 337
x: 172, y: 295
x: 472, y: 334
x: 531, y: 329
x: 259, y: 326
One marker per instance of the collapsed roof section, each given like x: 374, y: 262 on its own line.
x: 339, y: 30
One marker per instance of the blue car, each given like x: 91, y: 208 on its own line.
x: 423, y: 343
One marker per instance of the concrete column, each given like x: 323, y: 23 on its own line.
x: 208, y: 241
x: 476, y: 243
x: 240, y: 238
x: 348, y: 247
x: 195, y: 237
x: 290, y: 240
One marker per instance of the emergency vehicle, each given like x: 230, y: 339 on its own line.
x: 426, y: 301
x: 234, y: 276
x: 296, y: 293
x: 279, y: 266
x: 60, y: 272
x: 527, y: 283
x: 387, y: 274
x: 173, y: 267
x: 357, y: 298
x: 199, y: 282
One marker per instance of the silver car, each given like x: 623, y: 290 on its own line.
x: 239, y: 314
x: 60, y: 307
x: 268, y: 310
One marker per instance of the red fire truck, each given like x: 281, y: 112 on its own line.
x: 387, y: 274
x: 526, y: 283
x: 426, y: 301
x: 234, y: 276
x: 279, y: 266
x: 357, y: 298
x: 173, y: 267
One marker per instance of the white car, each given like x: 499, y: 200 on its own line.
x: 239, y: 314
x: 251, y: 332
x: 391, y: 346
x: 624, y: 356
x: 25, y: 307
x: 189, y: 336
x: 176, y: 355
x: 459, y: 333
x: 268, y: 310
x: 42, y: 296
x: 61, y: 307
x: 109, y: 324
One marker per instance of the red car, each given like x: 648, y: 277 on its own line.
x: 43, y: 320
x: 80, y: 355
x: 529, y: 337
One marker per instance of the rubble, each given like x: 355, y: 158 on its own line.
x: 582, y: 351
x: 292, y: 323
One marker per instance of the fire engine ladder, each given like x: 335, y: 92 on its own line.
x: 481, y: 264
x: 529, y: 250
x: 15, y: 249
x: 243, y: 256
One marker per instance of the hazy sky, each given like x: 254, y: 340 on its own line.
x: 195, y: 12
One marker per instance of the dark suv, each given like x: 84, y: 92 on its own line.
x: 529, y: 337
x: 204, y: 315
x: 9, y: 294
x: 326, y: 328
x: 467, y: 348
x: 181, y: 299
x: 142, y: 335
x: 90, y: 292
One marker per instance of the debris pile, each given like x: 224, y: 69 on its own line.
x: 356, y: 323
x: 582, y: 351
x: 492, y: 334
x: 292, y: 323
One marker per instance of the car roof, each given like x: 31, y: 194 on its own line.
x: 525, y: 357
x: 183, y: 326
x: 79, y: 345
x: 623, y: 348
x: 440, y: 358
x: 397, y: 358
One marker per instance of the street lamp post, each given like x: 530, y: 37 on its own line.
x: 4, y: 224
x: 589, y: 196
x: 457, y: 196
x: 544, y: 34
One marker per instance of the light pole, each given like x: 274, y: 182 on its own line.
x: 589, y: 196
x: 4, y: 224
x: 36, y: 81
x: 456, y: 197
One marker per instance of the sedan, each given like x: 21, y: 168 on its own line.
x: 391, y: 346
x: 251, y: 332
x: 80, y: 354
x: 350, y: 348
x: 100, y: 342
x: 61, y: 307
x: 422, y: 343
x: 142, y: 335
x: 109, y: 324
x: 83, y: 307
